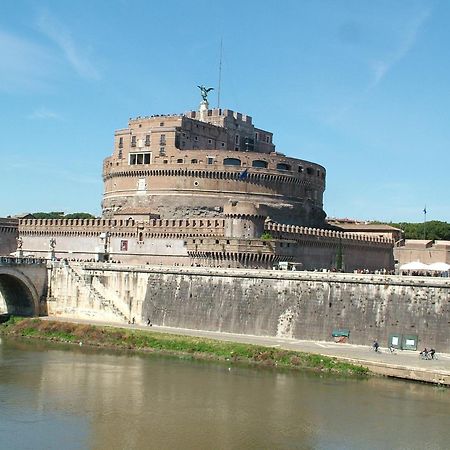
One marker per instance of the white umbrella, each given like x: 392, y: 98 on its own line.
x: 415, y: 265
x: 439, y: 267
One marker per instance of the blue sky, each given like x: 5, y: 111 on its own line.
x: 361, y: 87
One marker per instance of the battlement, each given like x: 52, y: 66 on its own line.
x: 222, y: 113
x: 154, y: 228
x: 295, y: 232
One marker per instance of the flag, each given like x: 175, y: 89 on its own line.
x: 243, y: 175
x: 425, y: 210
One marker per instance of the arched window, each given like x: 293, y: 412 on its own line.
x: 283, y: 166
x: 231, y: 162
x: 259, y: 163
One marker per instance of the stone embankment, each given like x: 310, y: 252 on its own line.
x: 281, y: 304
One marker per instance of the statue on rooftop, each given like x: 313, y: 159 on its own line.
x: 204, y: 92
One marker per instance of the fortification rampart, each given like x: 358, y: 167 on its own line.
x: 210, y: 242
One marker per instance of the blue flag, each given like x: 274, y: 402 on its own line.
x: 425, y: 210
x: 243, y: 175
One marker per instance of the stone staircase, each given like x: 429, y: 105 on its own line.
x: 104, y: 303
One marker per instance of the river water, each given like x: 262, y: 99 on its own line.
x: 71, y: 397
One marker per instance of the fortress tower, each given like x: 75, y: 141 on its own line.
x: 193, y: 164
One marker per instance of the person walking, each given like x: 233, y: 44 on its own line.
x: 375, y: 346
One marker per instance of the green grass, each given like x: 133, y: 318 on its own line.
x: 182, y: 346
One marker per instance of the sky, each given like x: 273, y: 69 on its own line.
x: 361, y: 87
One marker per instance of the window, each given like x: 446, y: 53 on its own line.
x: 194, y: 161
x: 309, y: 171
x: 259, y: 163
x: 147, y: 140
x: 300, y: 169
x: 256, y: 136
x: 120, y: 155
x: 222, y: 144
x: 162, y: 151
x: 179, y: 161
x: 283, y: 166
x: 140, y: 158
x: 162, y: 139
x: 161, y: 124
x: 236, y: 139
x: 196, y: 138
x: 210, y: 160
x: 231, y: 162
x: 121, y: 142
x: 133, y: 141
x: 268, y: 139
x: 209, y: 141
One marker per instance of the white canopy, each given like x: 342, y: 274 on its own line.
x: 415, y: 265
x: 439, y: 267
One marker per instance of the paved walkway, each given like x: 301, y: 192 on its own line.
x: 401, y: 363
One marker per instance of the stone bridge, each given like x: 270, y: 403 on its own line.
x: 23, y: 286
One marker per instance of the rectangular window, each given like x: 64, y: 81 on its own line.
x: 210, y: 160
x: 162, y: 151
x: 256, y: 136
x: 133, y: 141
x: 121, y: 142
x: 268, y: 139
x: 209, y: 141
x: 236, y: 139
x: 162, y: 139
x: 147, y: 140
x: 140, y: 158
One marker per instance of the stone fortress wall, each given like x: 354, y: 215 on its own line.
x: 234, y: 241
x: 8, y: 235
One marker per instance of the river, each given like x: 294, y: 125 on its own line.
x: 71, y: 397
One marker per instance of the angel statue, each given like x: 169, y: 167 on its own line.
x: 52, y: 244
x: 204, y: 92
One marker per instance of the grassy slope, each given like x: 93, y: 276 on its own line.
x: 195, y: 347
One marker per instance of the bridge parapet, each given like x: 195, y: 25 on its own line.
x: 17, y: 261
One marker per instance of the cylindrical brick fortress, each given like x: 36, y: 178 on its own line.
x: 178, y: 167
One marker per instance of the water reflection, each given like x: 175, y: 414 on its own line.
x: 95, y: 399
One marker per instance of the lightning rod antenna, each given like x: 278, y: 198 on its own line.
x: 220, y: 75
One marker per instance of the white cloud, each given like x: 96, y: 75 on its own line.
x: 44, y: 114
x: 62, y: 37
x: 23, y: 64
x: 407, y: 39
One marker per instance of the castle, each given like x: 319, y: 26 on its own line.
x: 206, y: 188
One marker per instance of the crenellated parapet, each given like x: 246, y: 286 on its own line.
x: 155, y: 228
x: 283, y: 231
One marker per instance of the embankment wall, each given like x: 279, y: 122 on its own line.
x: 299, y: 305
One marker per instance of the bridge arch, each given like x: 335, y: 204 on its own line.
x: 18, y: 295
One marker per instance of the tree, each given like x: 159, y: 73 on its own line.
x: 61, y: 215
x: 432, y: 230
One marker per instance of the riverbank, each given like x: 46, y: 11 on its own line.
x: 177, y: 345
